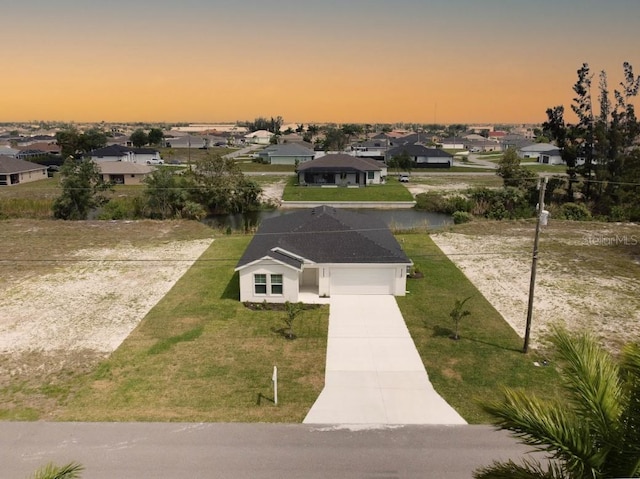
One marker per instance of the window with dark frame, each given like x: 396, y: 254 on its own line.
x: 260, y: 283
x: 276, y: 284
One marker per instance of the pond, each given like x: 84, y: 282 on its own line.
x: 395, y: 219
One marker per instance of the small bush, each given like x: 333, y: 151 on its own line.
x: 460, y: 217
x: 575, y: 212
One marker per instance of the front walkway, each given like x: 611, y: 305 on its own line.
x: 374, y: 374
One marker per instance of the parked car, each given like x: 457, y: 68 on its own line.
x: 155, y: 162
x: 404, y: 179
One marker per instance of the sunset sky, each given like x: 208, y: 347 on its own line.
x: 442, y: 61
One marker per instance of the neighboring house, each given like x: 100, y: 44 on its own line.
x: 341, y: 170
x: 324, y: 251
x: 286, y: 154
x: 534, y: 150
x: 123, y: 172
x: 36, y: 150
x: 551, y: 157
x: 514, y: 141
x: 14, y: 171
x: 195, y: 141
x: 482, y: 145
x: 422, y: 156
x: 260, y: 137
x: 8, y: 151
x: 456, y: 143
x: 123, y: 153
x: 375, y: 149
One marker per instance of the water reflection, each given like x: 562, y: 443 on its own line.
x: 395, y: 219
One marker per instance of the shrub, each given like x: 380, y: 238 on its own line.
x: 460, y: 217
x: 575, y: 212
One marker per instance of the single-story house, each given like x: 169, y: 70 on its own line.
x: 456, y: 143
x: 123, y: 172
x: 286, y: 154
x: 14, y: 171
x: 422, y: 156
x: 534, y: 150
x: 124, y: 153
x: 260, y: 137
x: 342, y: 170
x: 324, y: 251
x: 551, y: 157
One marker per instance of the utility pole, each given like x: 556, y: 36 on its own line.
x: 542, y: 186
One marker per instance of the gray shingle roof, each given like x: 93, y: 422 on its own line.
x: 340, y: 162
x: 325, y: 235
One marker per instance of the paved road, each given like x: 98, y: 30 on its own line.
x: 195, y: 451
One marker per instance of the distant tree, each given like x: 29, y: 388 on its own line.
x: 69, y: 141
x: 335, y: 140
x: 164, y: 196
x: 139, y: 138
x: 401, y: 161
x: 220, y: 187
x: 313, y: 129
x: 155, y: 136
x: 512, y: 173
x: 92, y: 139
x: 82, y: 185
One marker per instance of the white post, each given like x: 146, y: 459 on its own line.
x: 274, y: 378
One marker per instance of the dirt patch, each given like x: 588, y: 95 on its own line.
x: 416, y: 189
x: 583, y: 281
x: 93, y: 300
x: 272, y: 192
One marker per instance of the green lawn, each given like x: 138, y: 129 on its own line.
x: 391, y: 191
x: 200, y: 355
x: 488, y: 355
x: 542, y: 168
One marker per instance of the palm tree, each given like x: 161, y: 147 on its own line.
x: 591, y: 432
x: 51, y: 471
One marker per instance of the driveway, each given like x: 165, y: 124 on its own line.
x: 374, y: 374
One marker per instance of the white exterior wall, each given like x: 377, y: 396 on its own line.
x: 124, y: 157
x: 395, y: 274
x: 290, y: 287
x: 142, y: 158
x: 288, y: 160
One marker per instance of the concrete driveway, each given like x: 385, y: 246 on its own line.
x: 374, y: 374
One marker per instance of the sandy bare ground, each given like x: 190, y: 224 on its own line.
x: 416, y: 189
x: 272, y: 193
x: 573, y: 290
x: 93, y: 302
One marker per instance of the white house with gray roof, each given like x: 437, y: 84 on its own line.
x: 323, y: 251
x: 286, y: 154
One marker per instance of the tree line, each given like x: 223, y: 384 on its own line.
x: 213, y: 185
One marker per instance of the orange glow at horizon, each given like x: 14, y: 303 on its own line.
x: 306, y: 64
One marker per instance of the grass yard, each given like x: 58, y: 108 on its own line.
x: 249, y: 166
x: 393, y: 190
x: 487, y: 357
x: 200, y: 355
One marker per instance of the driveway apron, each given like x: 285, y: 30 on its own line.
x: 374, y: 374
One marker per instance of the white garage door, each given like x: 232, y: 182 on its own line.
x: 362, y: 281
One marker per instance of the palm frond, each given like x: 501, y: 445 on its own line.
x: 592, y: 379
x: 548, y: 426
x: 51, y: 471
x: 624, y: 460
x: 527, y: 470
